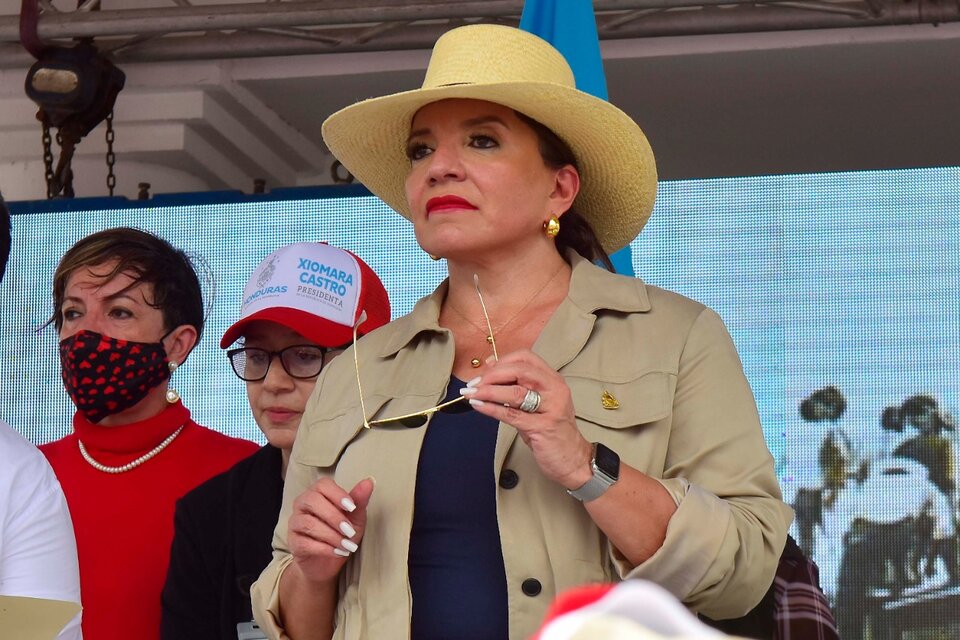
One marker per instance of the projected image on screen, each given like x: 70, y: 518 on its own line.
x: 840, y: 290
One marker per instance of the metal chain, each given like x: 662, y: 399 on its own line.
x: 111, y: 156
x: 63, y: 175
x: 47, y: 157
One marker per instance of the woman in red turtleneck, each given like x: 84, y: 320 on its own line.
x: 128, y: 309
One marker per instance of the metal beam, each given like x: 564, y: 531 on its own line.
x: 258, y: 40
x: 125, y: 22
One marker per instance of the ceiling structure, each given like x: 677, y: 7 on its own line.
x: 220, y: 93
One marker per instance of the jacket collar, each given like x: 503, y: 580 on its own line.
x: 592, y: 289
x: 424, y: 316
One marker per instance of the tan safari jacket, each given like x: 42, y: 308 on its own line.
x: 686, y: 416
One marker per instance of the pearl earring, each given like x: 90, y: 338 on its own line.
x: 172, y: 395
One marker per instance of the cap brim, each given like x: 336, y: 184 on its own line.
x: 312, y: 327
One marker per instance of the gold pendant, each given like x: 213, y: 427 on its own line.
x: 608, y: 401
x: 475, y: 363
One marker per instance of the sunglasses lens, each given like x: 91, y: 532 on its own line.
x: 412, y: 422
x: 457, y: 407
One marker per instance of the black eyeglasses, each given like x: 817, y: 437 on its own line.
x: 418, y: 419
x: 301, y: 361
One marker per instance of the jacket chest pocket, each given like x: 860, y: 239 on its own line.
x: 630, y: 415
x: 327, y: 438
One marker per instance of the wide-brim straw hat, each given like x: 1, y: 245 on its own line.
x: 521, y: 71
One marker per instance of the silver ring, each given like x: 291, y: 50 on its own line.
x: 531, y: 402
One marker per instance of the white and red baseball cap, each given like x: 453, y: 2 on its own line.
x: 315, y: 289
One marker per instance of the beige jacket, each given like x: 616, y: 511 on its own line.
x: 686, y: 416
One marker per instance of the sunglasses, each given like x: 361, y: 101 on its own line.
x: 418, y: 419
x: 300, y: 361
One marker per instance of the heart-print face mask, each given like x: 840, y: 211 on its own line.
x: 105, y: 375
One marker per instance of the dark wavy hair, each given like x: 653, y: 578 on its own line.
x: 831, y: 397
x: 150, y: 259
x: 892, y: 420
x: 575, y: 232
x: 915, y: 407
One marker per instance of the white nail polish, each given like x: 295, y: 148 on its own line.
x: 476, y: 403
x: 348, y: 505
x: 473, y: 383
x: 347, y: 529
x: 468, y: 391
x: 348, y: 545
x: 341, y: 552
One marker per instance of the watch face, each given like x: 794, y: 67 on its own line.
x: 607, y: 461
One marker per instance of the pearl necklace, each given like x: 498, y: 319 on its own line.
x: 134, y: 463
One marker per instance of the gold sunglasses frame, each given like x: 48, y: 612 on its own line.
x: 426, y: 413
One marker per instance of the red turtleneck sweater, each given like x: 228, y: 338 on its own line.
x: 124, y: 522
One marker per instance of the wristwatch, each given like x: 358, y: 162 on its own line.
x: 606, y: 471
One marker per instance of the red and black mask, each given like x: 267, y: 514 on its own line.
x: 104, y: 375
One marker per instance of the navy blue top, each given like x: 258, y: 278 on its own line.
x: 457, y: 578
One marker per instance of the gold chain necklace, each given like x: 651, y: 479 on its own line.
x: 475, y: 362
x: 133, y: 464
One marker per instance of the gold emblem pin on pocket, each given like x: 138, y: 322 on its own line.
x: 608, y: 401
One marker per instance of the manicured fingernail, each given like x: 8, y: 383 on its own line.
x: 348, y: 505
x: 348, y: 545
x: 468, y: 391
x: 347, y: 529
x: 476, y: 403
x: 491, y: 359
x: 341, y: 552
x: 473, y: 383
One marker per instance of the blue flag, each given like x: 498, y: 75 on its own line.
x: 570, y: 26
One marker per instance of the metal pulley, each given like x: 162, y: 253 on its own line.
x: 75, y: 88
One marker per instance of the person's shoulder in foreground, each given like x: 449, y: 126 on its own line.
x: 38, y: 554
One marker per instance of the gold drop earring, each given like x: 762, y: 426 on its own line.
x: 552, y: 227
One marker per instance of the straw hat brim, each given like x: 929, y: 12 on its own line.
x: 617, y: 168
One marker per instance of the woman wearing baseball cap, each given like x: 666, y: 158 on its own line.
x: 297, y: 314
x: 613, y: 434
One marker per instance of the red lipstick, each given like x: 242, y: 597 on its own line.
x: 448, y: 203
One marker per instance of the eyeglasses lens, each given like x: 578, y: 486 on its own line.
x: 299, y: 361
x: 302, y: 361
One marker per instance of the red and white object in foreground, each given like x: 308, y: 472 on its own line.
x: 630, y: 610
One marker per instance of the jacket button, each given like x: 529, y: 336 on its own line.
x: 531, y: 587
x: 509, y: 479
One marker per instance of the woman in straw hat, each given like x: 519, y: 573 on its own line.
x: 612, y: 433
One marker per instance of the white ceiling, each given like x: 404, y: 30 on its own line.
x: 711, y: 105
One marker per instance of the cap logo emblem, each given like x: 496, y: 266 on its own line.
x: 266, y: 274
